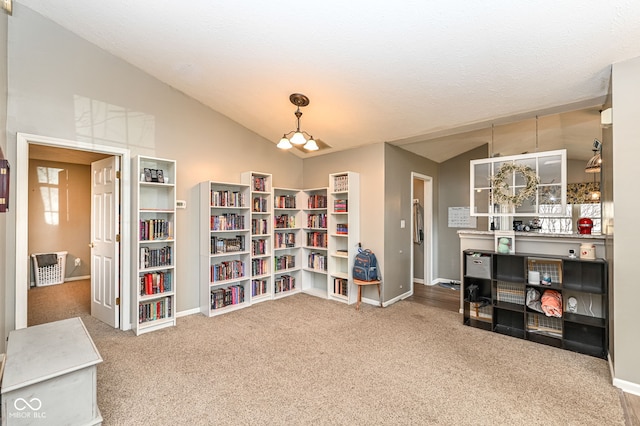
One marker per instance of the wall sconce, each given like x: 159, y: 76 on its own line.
x: 298, y: 137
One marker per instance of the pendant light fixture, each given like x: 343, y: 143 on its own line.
x: 298, y: 138
x: 594, y: 165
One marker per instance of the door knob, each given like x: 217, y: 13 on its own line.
x: 91, y: 244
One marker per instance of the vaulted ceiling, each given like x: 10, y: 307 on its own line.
x: 429, y: 76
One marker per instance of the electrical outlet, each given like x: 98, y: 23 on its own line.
x: 77, y: 261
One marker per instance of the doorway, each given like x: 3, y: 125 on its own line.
x: 421, y: 229
x: 120, y: 285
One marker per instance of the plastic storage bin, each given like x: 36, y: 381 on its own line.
x: 52, y: 274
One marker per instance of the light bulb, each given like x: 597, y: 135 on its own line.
x: 298, y: 138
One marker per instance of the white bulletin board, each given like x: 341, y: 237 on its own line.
x: 460, y: 217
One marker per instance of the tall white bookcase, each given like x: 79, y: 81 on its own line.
x: 344, y: 234
x: 287, y: 241
x: 154, y: 290
x: 224, y: 247
x: 315, y: 242
x: 261, y: 206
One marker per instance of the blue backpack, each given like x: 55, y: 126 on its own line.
x: 365, y: 266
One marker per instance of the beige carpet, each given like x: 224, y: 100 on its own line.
x: 303, y: 360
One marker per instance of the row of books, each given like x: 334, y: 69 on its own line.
x: 259, y: 226
x: 155, y: 310
x: 231, y: 295
x: 284, y: 240
x: 341, y: 286
x: 259, y: 267
x: 227, y: 198
x: 260, y: 184
x: 259, y: 287
x: 258, y: 247
x: 340, y: 206
x: 155, y: 229
x: 317, y: 202
x: 317, y: 239
x: 284, y: 283
x: 317, y: 220
x: 150, y: 258
x: 155, y: 283
x: 227, y: 270
x: 317, y: 261
x: 284, y: 221
x: 341, y: 183
x: 227, y: 222
x: 227, y: 245
x: 342, y: 228
x: 285, y: 261
x: 260, y: 204
x: 285, y: 202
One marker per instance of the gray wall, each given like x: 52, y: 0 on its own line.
x: 454, y: 192
x: 398, y: 166
x: 625, y: 153
x: 62, y: 86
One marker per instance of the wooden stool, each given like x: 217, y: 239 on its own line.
x: 360, y: 284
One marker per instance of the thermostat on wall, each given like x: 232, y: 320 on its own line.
x: 181, y: 204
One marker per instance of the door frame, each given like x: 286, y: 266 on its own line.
x: 428, y: 228
x: 23, y: 140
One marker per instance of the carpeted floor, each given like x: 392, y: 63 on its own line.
x: 303, y: 360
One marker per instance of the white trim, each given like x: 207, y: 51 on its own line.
x: 391, y: 301
x: 418, y: 281
x: 188, y: 312
x: 83, y: 277
x: 444, y: 280
x: 22, y: 224
x: 628, y: 387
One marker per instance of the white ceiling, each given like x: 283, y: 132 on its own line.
x: 375, y: 71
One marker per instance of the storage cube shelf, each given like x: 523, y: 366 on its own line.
x: 154, y: 292
x: 495, y: 288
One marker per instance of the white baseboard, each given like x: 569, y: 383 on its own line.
x: 444, y: 280
x: 84, y: 277
x: 628, y: 387
x: 188, y: 312
x: 418, y: 281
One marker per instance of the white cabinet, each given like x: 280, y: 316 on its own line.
x: 224, y: 247
x: 154, y: 286
x: 548, y: 196
x: 344, y: 234
x: 261, y: 199
x: 287, y: 241
x: 315, y: 243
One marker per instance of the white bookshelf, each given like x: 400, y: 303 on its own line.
x: 344, y: 234
x: 287, y: 241
x: 224, y: 247
x: 315, y: 242
x: 261, y: 224
x: 154, y: 289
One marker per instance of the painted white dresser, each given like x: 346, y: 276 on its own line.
x: 50, y: 376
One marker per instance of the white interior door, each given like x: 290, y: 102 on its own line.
x: 105, y: 262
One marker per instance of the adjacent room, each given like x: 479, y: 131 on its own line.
x: 319, y: 213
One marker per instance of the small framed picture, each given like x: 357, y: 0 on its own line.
x: 505, y: 242
x: 154, y: 175
x: 147, y: 174
x: 160, y: 176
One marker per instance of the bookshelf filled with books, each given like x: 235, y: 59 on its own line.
x: 261, y: 224
x: 344, y: 234
x: 224, y: 247
x: 315, y: 242
x: 154, y: 291
x: 287, y: 237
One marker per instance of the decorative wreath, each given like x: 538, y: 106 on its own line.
x: 501, y: 190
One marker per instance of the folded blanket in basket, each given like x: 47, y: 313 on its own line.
x: 47, y: 259
x: 552, y: 303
